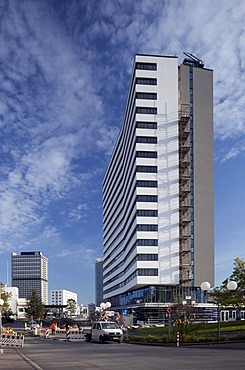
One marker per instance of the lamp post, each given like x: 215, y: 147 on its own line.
x: 104, y: 307
x: 232, y: 285
x: 1, y: 304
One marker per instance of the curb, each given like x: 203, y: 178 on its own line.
x: 184, y: 344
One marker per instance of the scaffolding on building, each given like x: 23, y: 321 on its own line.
x: 185, y: 197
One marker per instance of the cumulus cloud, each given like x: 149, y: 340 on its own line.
x: 64, y: 75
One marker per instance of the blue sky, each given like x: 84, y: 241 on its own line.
x: 65, y: 68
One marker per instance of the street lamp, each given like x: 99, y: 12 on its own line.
x: 232, y: 285
x: 104, y: 307
x: 1, y: 304
x: 108, y: 305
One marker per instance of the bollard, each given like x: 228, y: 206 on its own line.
x: 47, y: 333
x: 177, y: 339
x: 68, y: 334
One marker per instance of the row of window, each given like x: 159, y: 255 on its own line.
x: 139, y: 257
x: 139, y: 272
x: 146, y: 184
x: 146, y: 139
x: 144, y: 227
x: 146, y: 66
x: 146, y: 198
x: 146, y: 96
x: 147, y: 257
x: 150, y: 125
x: 146, y: 81
x: 147, y: 242
x: 147, y: 272
x: 139, y: 242
x: 145, y: 154
x: 149, y: 169
x: 147, y: 213
x: 146, y: 110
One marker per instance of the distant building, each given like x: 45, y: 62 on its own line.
x: 60, y: 297
x: 98, y: 281
x: 17, y: 305
x: 22, y: 308
x: 91, y: 309
x: 30, y: 272
x: 83, y: 311
x: 13, y: 300
x: 158, y: 217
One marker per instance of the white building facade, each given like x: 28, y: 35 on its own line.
x: 60, y: 297
x: 150, y: 187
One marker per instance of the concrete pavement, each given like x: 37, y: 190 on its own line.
x: 12, y: 359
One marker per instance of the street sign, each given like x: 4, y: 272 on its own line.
x: 125, y: 312
x: 169, y: 310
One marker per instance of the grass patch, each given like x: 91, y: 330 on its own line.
x: 193, y: 333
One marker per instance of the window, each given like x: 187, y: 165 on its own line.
x: 150, y: 169
x: 146, y: 139
x: 146, y: 66
x: 151, y: 125
x: 148, y: 96
x: 141, y: 154
x: 147, y: 198
x: 146, y: 184
x: 148, y: 272
x: 145, y: 110
x: 148, y: 242
x: 147, y: 257
x: 147, y: 227
x: 146, y: 81
x: 147, y: 213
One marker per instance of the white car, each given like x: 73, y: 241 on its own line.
x: 104, y: 331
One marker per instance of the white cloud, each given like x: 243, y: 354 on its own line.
x: 232, y: 153
x: 64, y: 77
x: 213, y: 31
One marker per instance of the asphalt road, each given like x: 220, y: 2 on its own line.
x: 48, y: 354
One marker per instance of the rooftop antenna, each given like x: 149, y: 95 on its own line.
x: 192, y: 60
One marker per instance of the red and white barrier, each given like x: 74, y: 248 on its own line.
x: 68, y: 334
x: 12, y: 340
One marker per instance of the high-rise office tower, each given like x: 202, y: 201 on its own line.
x: 29, y: 272
x: 158, y: 188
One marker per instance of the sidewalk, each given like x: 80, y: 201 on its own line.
x: 11, y: 359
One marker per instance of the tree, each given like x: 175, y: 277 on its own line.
x: 183, y: 315
x: 235, y: 298
x: 71, y: 306
x: 35, y: 306
x: 6, y: 310
x: 238, y: 273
